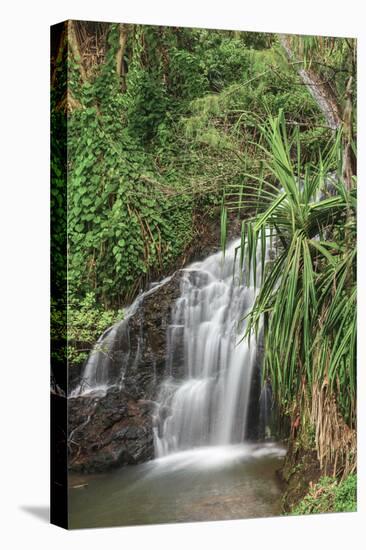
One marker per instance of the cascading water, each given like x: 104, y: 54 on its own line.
x: 203, y: 395
x: 111, y: 355
x: 97, y: 375
x: 209, y: 405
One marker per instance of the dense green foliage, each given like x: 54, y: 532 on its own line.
x: 192, y: 119
x: 145, y: 155
x: 309, y: 291
x: 305, y: 202
x: 308, y: 295
x: 85, y: 321
x: 329, y: 495
x: 122, y: 222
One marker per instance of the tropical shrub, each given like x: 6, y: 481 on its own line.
x: 308, y: 296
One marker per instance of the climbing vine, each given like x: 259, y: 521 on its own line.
x: 123, y: 226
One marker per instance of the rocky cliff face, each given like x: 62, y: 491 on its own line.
x: 109, y: 431
x: 115, y: 429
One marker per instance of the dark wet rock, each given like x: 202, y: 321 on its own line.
x: 74, y: 373
x: 147, y: 338
x: 117, y: 428
x: 108, y: 431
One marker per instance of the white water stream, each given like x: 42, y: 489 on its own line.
x: 209, y: 405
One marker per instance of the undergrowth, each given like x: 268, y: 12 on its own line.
x: 329, y: 495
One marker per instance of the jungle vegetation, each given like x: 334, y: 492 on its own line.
x: 171, y: 128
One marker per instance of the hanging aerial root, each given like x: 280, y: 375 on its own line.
x: 335, y: 440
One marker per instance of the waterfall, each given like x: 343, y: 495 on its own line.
x: 97, y: 371
x: 111, y: 354
x: 209, y: 404
x: 202, y: 396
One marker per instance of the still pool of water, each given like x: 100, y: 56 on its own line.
x: 202, y: 484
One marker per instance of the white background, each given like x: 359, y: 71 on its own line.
x: 24, y: 272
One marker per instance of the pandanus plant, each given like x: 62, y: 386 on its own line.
x: 307, y: 298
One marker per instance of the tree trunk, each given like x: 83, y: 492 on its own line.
x: 75, y: 49
x: 120, y: 66
x: 349, y: 158
x: 320, y: 90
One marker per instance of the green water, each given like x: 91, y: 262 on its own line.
x: 213, y: 483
